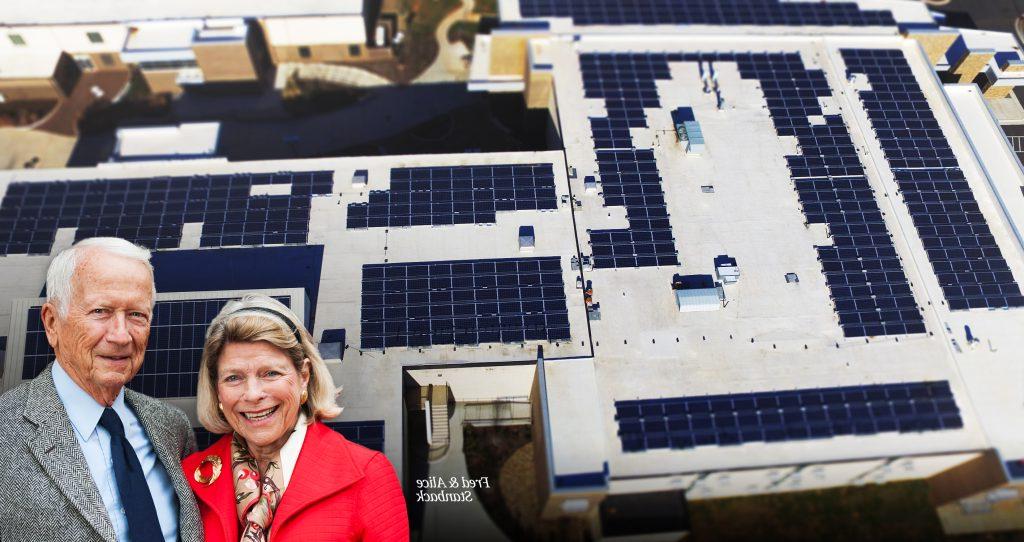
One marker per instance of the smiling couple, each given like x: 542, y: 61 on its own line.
x: 84, y: 458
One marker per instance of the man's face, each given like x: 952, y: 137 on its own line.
x: 101, y: 340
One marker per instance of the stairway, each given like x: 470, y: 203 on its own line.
x: 439, y: 431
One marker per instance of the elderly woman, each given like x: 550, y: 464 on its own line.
x: 279, y: 473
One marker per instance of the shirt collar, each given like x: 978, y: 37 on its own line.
x: 292, y: 447
x: 83, y: 411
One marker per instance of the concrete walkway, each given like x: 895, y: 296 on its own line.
x: 331, y: 73
x: 449, y: 65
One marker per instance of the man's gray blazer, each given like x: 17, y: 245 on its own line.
x: 46, y: 489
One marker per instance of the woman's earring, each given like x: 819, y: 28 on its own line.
x: 304, y: 397
x: 220, y: 406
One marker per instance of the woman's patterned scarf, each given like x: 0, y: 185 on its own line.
x: 255, y: 498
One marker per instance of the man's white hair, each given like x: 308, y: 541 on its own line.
x: 61, y: 273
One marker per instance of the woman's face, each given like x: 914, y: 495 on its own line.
x: 259, y: 390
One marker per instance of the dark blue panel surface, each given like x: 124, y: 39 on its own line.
x: 233, y: 269
x: 447, y: 195
x: 775, y: 416
x: 463, y: 302
x: 707, y: 12
x: 151, y: 211
x: 369, y: 434
x: 962, y: 250
x: 365, y: 433
x: 868, y: 286
x: 171, y: 364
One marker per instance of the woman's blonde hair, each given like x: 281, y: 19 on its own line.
x: 252, y: 319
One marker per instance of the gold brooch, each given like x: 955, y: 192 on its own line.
x: 208, y: 470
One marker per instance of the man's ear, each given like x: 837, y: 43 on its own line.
x: 49, y: 316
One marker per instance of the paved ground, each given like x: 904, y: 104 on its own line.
x: 982, y: 14
x: 64, y: 119
x: 449, y: 64
x: 20, y: 147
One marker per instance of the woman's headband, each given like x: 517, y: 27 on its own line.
x: 291, y: 325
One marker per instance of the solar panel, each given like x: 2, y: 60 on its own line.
x: 446, y: 195
x: 463, y: 302
x: 962, y: 250
x: 869, y: 288
x: 365, y: 433
x: 152, y: 211
x: 708, y: 12
x: 777, y: 416
x: 170, y: 367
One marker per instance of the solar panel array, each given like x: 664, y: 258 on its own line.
x: 870, y: 291
x: 629, y: 176
x: 962, y: 250
x: 725, y: 420
x: 709, y: 12
x: 442, y: 196
x: 366, y: 433
x: 170, y: 367
x: 151, y: 211
x: 463, y: 302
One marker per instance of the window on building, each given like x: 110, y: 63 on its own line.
x: 107, y: 59
x: 94, y: 37
x: 84, y: 62
x: 16, y: 39
x: 304, y: 52
x: 355, y: 50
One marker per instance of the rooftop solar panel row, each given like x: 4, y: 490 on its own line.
x: 962, y: 250
x: 776, y: 416
x: 171, y: 365
x: 629, y: 176
x: 707, y: 12
x: 368, y: 433
x: 151, y: 211
x: 463, y: 302
x: 871, y: 293
x: 442, y: 196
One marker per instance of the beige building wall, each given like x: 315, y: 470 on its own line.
x: 998, y: 91
x: 20, y: 90
x: 508, y: 54
x: 225, y: 62
x: 106, y: 61
x: 551, y: 503
x: 162, y: 81
x: 971, y: 65
x: 321, y: 53
x: 538, y: 89
x: 935, y: 44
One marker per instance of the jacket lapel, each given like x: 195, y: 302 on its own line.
x: 170, y: 456
x: 322, y: 469
x: 219, y: 495
x: 56, y: 448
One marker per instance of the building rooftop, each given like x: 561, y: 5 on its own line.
x: 315, y: 30
x: 24, y: 12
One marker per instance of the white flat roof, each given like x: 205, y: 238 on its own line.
x: 904, y: 12
x: 315, y: 30
x: 771, y: 335
x: 162, y: 35
x: 570, y: 394
x: 28, y: 64
x: 70, y: 38
x: 191, y: 139
x: 71, y: 11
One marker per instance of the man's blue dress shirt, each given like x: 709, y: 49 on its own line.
x: 84, y: 413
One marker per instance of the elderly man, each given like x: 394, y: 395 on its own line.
x: 81, y: 457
